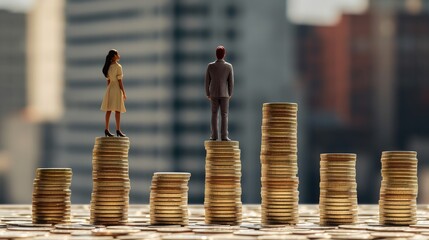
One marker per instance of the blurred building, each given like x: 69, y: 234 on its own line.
x: 337, y: 67
x: 365, y: 86
x: 32, y: 70
x: 45, y: 54
x: 412, y: 89
x: 13, y: 68
x: 336, y: 63
x: 412, y: 71
x: 141, y: 31
x: 13, y: 62
x: 165, y: 47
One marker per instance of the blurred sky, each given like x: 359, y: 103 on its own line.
x: 315, y: 12
x: 16, y: 5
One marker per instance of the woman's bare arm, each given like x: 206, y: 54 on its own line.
x: 121, y: 86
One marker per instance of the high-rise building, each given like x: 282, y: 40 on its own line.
x: 45, y: 54
x: 141, y: 32
x: 13, y: 62
x: 365, y: 86
x: 412, y: 69
x: 165, y: 47
x: 337, y: 66
x: 31, y: 64
x: 13, y: 96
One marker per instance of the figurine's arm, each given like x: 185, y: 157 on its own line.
x: 121, y: 86
x: 230, y: 82
x: 207, y: 83
x: 120, y: 75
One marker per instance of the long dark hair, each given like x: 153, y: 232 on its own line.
x: 108, y: 61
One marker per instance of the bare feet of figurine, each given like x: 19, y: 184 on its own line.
x: 213, y: 139
x: 226, y: 139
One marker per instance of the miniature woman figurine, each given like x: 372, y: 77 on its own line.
x: 115, y: 93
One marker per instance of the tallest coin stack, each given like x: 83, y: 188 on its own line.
x: 279, y: 164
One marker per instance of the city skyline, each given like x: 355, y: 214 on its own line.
x: 360, y: 86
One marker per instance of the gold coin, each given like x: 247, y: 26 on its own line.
x: 279, y: 113
x: 170, y: 189
x: 399, y: 160
x: 389, y: 153
x: 54, y: 176
x: 112, y: 139
x: 222, y: 201
x: 105, y: 159
x: 184, y: 175
x: 338, y: 164
x: 177, y: 181
x: 113, y: 153
x: 338, y: 155
x: 279, y: 167
x: 221, y: 151
x: 223, y: 167
x: 113, y: 146
x: 111, y: 168
x: 270, y: 131
x: 223, y: 159
x: 221, y: 179
x: 104, y: 189
x: 279, y: 175
x: 283, y: 207
x: 210, y: 143
x: 277, y: 154
x: 285, y: 105
x: 53, y: 170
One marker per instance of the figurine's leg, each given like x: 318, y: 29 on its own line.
x: 107, y: 120
x: 118, y: 120
x: 215, y: 110
x: 224, y: 105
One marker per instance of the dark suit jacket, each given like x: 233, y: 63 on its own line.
x: 219, y: 79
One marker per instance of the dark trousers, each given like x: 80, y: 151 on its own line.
x: 223, y: 104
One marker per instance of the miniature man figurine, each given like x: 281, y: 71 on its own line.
x: 219, y: 85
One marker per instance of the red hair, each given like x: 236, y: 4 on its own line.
x: 220, y: 52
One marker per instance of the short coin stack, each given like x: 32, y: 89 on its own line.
x: 338, y: 196
x: 399, y: 188
x: 222, y: 196
x: 51, y: 195
x: 279, y: 192
x: 169, y: 198
x: 111, y: 183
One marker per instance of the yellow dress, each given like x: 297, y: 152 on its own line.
x: 113, y: 99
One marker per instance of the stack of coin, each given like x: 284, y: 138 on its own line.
x: 399, y: 188
x: 169, y: 198
x: 279, y: 168
x: 51, y: 195
x: 338, y: 196
x: 111, y: 183
x: 222, y: 196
